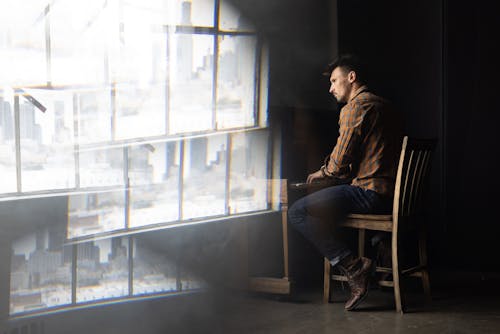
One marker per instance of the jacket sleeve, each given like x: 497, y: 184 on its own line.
x: 348, y: 143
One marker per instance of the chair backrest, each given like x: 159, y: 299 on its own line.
x: 412, y: 175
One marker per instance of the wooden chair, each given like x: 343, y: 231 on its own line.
x: 412, y: 176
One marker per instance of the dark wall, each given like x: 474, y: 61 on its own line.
x: 472, y: 134
x: 437, y: 60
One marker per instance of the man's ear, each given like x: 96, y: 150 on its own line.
x: 351, y: 76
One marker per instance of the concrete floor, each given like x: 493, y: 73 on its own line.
x: 449, y: 312
x: 471, y: 306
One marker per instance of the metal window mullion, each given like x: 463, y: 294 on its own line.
x: 113, y: 111
x: 48, y: 47
x: 229, y: 145
x: 17, y: 124
x: 181, y: 178
x: 126, y: 181
x: 215, y: 64
x: 131, y: 251
x: 269, y: 167
x: 257, y: 69
x: 74, y: 273
x: 167, y: 84
x: 178, y: 268
x: 217, y: 14
x: 76, y: 145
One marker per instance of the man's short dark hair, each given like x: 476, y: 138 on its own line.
x: 348, y: 62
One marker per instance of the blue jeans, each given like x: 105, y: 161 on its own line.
x: 314, y: 215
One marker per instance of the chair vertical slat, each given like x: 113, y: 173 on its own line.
x: 404, y: 194
x: 397, y: 204
x: 415, y: 182
x: 422, y: 175
x: 412, y: 168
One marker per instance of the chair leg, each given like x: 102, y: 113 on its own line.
x: 396, y: 275
x: 327, y: 277
x: 422, y: 252
x: 361, y: 242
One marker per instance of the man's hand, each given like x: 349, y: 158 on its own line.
x: 316, y: 176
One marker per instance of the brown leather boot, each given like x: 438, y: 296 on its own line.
x: 358, y: 272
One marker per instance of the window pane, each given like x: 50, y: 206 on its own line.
x: 248, y: 183
x: 231, y: 18
x: 191, y: 82
x: 190, y: 281
x: 154, y: 271
x: 139, y: 68
x: 101, y: 167
x: 22, y: 42
x: 236, y: 82
x: 94, y: 116
x: 204, y: 177
x: 80, y: 31
x: 139, y: 54
x: 192, y: 13
x: 140, y: 111
x: 47, y: 151
x: 172, y: 12
x: 93, y: 213
x: 102, y: 269
x: 40, y: 271
x: 7, y: 143
x: 154, y: 180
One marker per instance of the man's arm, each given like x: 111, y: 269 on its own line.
x: 348, y: 142
x: 316, y: 176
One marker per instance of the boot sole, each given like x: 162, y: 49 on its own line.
x: 360, y: 300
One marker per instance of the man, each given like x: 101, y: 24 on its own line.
x: 363, y: 166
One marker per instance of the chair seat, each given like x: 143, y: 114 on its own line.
x: 369, y: 222
x: 369, y: 217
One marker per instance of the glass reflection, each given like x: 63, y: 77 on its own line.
x: 189, y: 281
x: 191, y: 82
x: 154, y: 270
x: 7, y: 143
x: 47, y: 151
x: 94, y: 116
x: 140, y: 111
x: 102, y: 269
x: 192, y: 13
x: 79, y: 33
x: 22, y: 42
x: 248, y: 182
x: 236, y: 82
x: 101, y: 167
x: 139, y: 70
x: 154, y: 180
x: 96, y: 212
x: 139, y: 52
x: 204, y: 177
x: 40, y: 275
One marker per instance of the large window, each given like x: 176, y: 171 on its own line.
x: 46, y: 273
x: 143, y: 112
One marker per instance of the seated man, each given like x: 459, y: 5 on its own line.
x: 366, y: 153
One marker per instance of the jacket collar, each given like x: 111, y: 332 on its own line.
x: 360, y: 90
